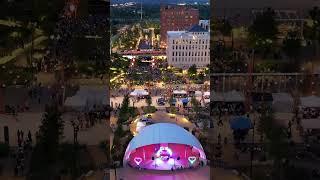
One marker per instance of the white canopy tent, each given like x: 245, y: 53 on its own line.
x: 87, y: 97
x: 139, y: 92
x: 310, y: 124
x: 217, y: 96
x: 310, y: 101
x: 282, y: 102
x: 198, y: 93
x: 179, y: 92
x: 206, y: 95
x: 233, y: 96
x: 207, y: 100
x: 75, y: 102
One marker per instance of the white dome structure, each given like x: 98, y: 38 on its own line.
x: 175, y: 140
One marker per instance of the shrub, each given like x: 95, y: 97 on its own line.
x: 4, y: 150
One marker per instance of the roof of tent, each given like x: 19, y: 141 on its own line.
x: 282, y: 102
x: 310, y: 101
x: 282, y: 97
x: 139, y: 92
x: 262, y: 97
x: 217, y: 96
x: 163, y: 133
x: 75, y: 101
x: 198, y: 93
x: 240, y: 122
x: 88, y: 96
x: 207, y: 93
x: 179, y: 92
x: 310, y: 123
x: 233, y: 96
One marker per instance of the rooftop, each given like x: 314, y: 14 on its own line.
x: 197, y: 28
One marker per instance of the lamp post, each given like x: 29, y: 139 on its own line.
x: 2, y: 86
x: 252, y: 149
x: 55, y: 39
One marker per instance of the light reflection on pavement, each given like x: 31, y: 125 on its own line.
x: 163, y: 117
x: 187, y: 174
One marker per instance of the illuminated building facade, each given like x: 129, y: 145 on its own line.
x: 176, y: 18
x: 186, y: 48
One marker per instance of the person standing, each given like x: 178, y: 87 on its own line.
x: 18, y: 135
x: 22, y: 138
x: 29, y: 137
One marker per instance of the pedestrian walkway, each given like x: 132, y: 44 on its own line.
x: 19, y: 51
x: 99, y: 157
x: 10, y: 23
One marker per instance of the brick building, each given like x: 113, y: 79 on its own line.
x: 176, y: 18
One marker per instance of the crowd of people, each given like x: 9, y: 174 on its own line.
x: 221, y: 108
x: 68, y: 30
x: 310, y: 113
x: 24, y: 148
x: 89, y: 119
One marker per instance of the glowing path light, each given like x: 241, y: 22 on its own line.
x: 192, y: 159
x: 138, y: 160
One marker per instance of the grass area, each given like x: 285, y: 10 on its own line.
x: 133, y: 111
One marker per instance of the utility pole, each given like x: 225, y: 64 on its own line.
x: 141, y: 10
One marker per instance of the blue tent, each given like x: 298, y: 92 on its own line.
x: 185, y: 100
x: 240, y: 123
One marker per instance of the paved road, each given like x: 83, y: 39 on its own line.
x: 194, y: 174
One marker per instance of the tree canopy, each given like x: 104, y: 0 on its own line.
x: 263, y: 31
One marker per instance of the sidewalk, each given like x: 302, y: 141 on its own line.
x: 10, y: 23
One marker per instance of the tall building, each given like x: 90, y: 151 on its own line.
x: 176, y: 18
x: 205, y: 24
x: 186, y: 48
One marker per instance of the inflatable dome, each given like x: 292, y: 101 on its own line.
x: 164, y: 146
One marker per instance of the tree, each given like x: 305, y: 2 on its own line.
x: 201, y: 76
x: 225, y: 27
x: 315, y: 16
x: 192, y: 71
x: 149, y: 101
x: 124, y: 110
x: 195, y: 106
x: 51, y: 131
x: 276, y: 139
x: 266, y: 120
x: 45, y: 155
x: 263, y: 31
x: 292, y: 45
